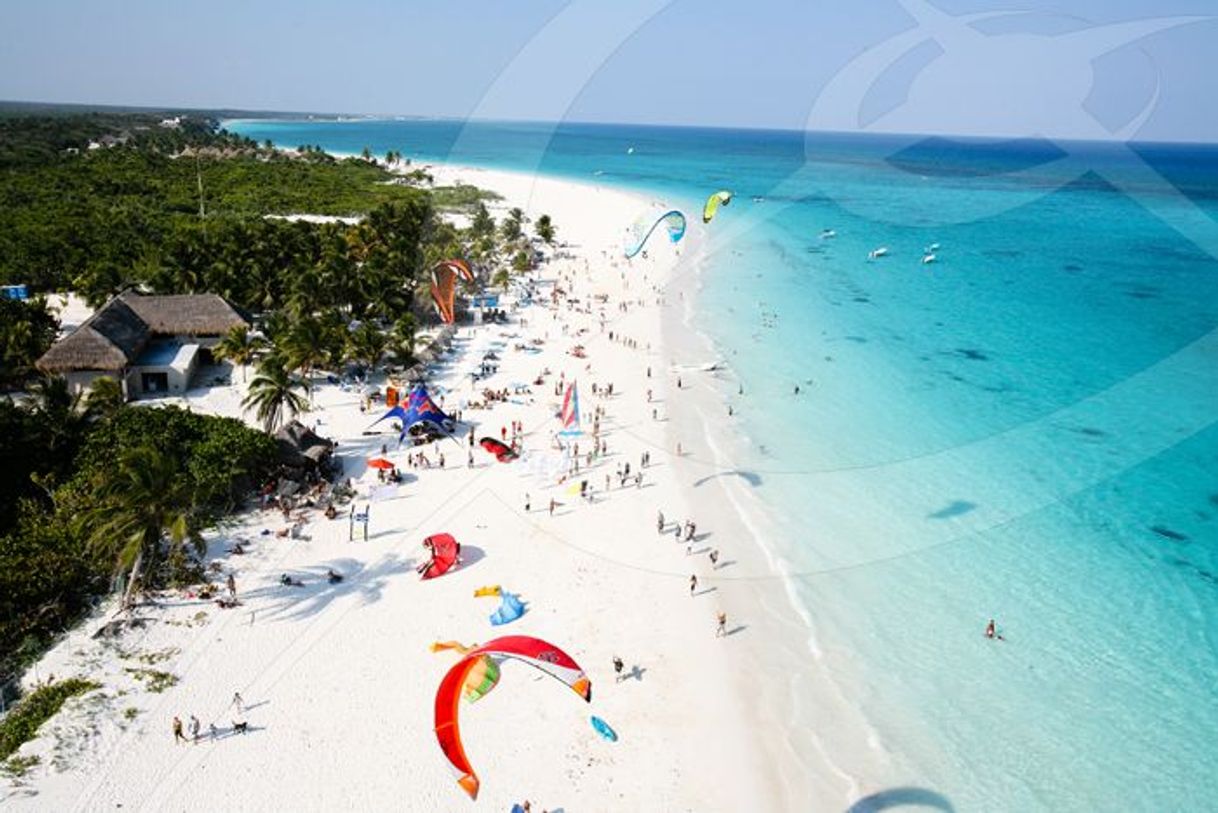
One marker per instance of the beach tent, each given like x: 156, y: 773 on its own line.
x: 509, y: 610
x: 419, y: 410
x: 445, y: 551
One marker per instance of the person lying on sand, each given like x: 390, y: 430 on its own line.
x: 288, y: 581
x: 333, y: 576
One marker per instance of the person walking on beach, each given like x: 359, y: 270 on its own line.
x: 552, y: 506
x: 194, y: 728
x: 721, y: 630
x: 232, y: 587
x: 178, y: 736
x: 526, y: 502
x: 239, y: 702
x: 693, y: 585
x: 618, y: 666
x: 714, y: 557
x: 659, y: 522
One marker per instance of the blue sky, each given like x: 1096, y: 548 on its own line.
x: 1060, y: 69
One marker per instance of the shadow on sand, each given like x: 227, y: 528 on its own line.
x: 293, y: 603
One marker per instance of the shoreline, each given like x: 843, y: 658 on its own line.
x: 687, y: 705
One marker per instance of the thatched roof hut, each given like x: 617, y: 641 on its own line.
x: 116, y: 335
x: 302, y: 448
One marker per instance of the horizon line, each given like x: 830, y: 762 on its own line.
x: 227, y: 114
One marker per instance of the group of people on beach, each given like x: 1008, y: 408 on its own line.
x: 239, y: 725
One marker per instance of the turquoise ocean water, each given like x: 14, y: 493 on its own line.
x: 1023, y: 429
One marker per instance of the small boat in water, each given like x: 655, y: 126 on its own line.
x: 927, y: 259
x: 931, y: 249
x: 827, y: 234
x: 876, y: 253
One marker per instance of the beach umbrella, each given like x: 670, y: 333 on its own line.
x: 380, y: 463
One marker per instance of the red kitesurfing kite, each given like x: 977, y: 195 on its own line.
x: 444, y: 286
x: 535, y: 652
x: 502, y: 452
x: 445, y: 551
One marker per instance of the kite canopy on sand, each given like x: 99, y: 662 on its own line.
x: 444, y: 552
x: 380, y: 463
x: 510, y: 608
x: 642, y: 228
x: 502, y: 452
x: 720, y: 198
x: 535, y: 652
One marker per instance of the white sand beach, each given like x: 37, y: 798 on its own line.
x: 338, y: 682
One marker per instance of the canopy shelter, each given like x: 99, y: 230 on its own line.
x: 420, y: 411
x: 303, y: 450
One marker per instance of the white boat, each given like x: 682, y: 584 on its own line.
x: 928, y: 259
x: 876, y: 253
x: 827, y: 234
x: 931, y: 249
x: 630, y: 150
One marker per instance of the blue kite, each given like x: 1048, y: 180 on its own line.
x: 509, y: 610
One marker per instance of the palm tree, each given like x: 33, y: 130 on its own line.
x: 59, y: 409
x: 307, y: 346
x: 105, y: 397
x: 141, y: 502
x: 482, y: 224
x: 513, y: 225
x: 545, y: 229
x: 240, y: 347
x: 367, y: 153
x: 366, y: 344
x: 274, y: 392
x: 404, y: 334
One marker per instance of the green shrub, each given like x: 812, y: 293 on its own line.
x: 22, y: 723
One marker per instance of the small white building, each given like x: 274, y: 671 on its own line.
x: 149, y: 344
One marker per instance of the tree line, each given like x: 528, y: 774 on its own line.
x: 95, y: 493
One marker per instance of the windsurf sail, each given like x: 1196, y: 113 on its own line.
x: 570, y: 411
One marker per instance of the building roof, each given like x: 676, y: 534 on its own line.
x: 115, y: 336
x: 185, y: 314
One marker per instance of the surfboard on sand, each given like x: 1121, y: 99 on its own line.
x: 604, y: 729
